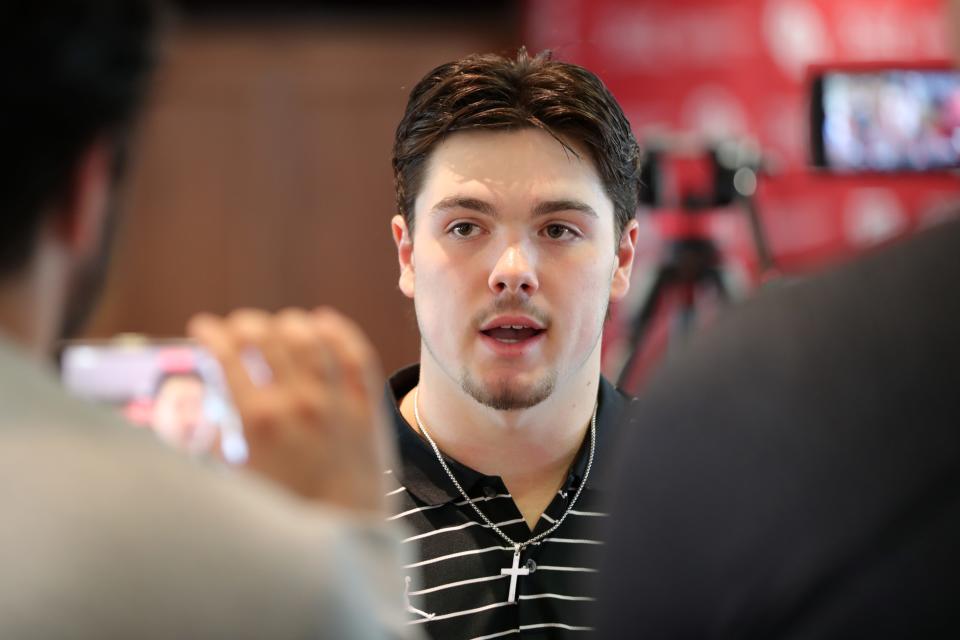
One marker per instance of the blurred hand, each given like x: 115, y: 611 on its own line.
x: 318, y: 426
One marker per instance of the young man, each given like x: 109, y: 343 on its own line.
x: 517, y: 185
x: 105, y: 532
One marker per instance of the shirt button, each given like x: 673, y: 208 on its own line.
x: 531, y: 565
x: 489, y: 491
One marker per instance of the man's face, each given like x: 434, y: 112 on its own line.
x: 514, y: 260
x: 178, y: 416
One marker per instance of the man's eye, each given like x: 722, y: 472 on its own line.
x: 559, y: 232
x: 463, y: 229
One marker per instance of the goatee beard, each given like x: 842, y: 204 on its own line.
x: 504, y: 397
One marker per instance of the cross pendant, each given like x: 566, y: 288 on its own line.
x: 514, y: 572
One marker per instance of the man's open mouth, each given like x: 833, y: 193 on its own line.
x: 511, y: 334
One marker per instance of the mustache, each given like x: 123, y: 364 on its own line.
x: 512, y: 303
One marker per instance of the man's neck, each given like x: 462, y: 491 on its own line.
x: 22, y: 315
x: 530, y: 449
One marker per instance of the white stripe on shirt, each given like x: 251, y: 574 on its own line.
x: 497, y: 635
x: 557, y: 596
x: 459, y: 583
x: 459, y: 504
x: 532, y: 626
x: 455, y: 555
x: 457, y: 614
x: 547, y: 567
x: 406, y: 513
x: 463, y: 503
x: 558, y: 625
x: 459, y: 527
x: 572, y: 541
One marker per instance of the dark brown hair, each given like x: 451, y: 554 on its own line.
x: 501, y: 93
x: 73, y: 71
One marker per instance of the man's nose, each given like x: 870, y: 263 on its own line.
x: 514, y: 271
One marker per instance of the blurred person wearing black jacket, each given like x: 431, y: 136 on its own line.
x: 796, y: 473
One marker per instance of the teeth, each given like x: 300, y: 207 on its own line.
x: 513, y: 326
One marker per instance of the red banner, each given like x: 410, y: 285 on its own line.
x: 723, y: 68
x: 719, y: 69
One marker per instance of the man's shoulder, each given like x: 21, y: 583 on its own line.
x: 812, y: 423
x: 120, y: 536
x: 82, y: 486
x: 899, y: 287
x: 893, y: 307
x: 106, y: 524
x: 854, y: 367
x: 125, y: 477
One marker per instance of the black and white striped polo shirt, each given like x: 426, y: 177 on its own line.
x: 455, y: 588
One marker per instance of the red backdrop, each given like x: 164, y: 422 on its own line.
x: 738, y: 68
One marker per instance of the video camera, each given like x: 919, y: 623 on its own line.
x: 688, y: 174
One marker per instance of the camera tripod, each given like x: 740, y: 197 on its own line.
x: 692, y: 273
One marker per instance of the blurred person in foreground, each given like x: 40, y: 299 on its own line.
x: 796, y: 474
x: 517, y: 183
x: 105, y: 532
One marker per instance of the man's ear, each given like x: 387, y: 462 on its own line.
x: 404, y: 241
x: 83, y: 208
x: 624, y: 266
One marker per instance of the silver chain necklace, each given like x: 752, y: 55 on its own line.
x: 518, y: 547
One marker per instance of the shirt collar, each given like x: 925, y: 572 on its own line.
x: 423, y: 476
x: 612, y: 403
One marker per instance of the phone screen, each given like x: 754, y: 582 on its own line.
x: 887, y: 120
x: 174, y: 388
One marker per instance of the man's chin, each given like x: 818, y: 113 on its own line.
x: 508, y: 394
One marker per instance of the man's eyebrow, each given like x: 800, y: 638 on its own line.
x: 544, y: 208
x: 553, y: 206
x: 463, y: 202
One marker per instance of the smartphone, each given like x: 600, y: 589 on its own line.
x: 172, y: 387
x: 885, y: 118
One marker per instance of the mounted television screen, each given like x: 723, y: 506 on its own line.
x: 886, y: 119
